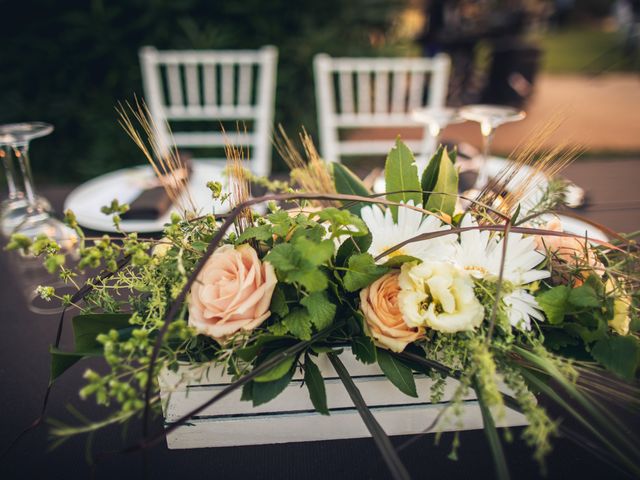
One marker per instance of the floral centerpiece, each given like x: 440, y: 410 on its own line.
x: 420, y: 280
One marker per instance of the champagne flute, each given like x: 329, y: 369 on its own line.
x: 490, y: 117
x: 37, y: 219
x: 14, y: 208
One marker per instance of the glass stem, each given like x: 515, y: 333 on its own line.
x: 483, y: 175
x: 22, y: 153
x: 5, y: 153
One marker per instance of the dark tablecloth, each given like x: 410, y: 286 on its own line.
x: 25, y: 339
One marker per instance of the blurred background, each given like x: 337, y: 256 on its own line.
x: 69, y: 63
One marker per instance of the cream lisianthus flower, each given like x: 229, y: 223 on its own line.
x: 438, y: 295
x: 385, y: 233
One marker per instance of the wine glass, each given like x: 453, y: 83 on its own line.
x: 14, y: 208
x: 435, y: 120
x: 490, y: 117
x: 37, y: 220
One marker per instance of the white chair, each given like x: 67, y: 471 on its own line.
x: 213, y: 86
x: 363, y: 93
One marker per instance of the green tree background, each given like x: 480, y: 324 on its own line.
x: 69, y: 62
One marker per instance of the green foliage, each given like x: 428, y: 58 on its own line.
x: 364, y: 349
x: 78, y: 58
x: 348, y: 183
x: 397, y: 372
x: 278, y: 371
x: 362, y: 271
x: 321, y: 310
x: 440, y: 178
x: 315, y: 384
x: 554, y: 303
x: 263, y: 392
x: 619, y: 354
x: 401, y: 176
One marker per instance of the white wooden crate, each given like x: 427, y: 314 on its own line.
x: 291, y: 417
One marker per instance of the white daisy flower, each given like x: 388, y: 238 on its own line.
x: 386, y: 233
x: 480, y: 253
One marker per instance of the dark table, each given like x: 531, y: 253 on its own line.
x: 25, y: 338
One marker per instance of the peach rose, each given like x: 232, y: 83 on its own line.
x: 571, y: 250
x: 379, y: 303
x: 232, y: 293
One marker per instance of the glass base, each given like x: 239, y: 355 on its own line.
x: 13, y: 212
x: 40, y: 223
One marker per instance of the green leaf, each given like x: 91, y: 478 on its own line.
x: 398, y: 260
x: 279, y: 303
x: 430, y: 175
x: 263, y: 392
x: 87, y: 327
x: 362, y: 270
x: 621, y: 355
x: 397, y: 372
x: 348, y: 183
x: 317, y: 253
x: 62, y: 361
x: 584, y: 296
x: 353, y: 245
x: 401, y: 175
x: 364, y: 349
x: 278, y: 371
x: 261, y: 232
x: 554, y: 303
x: 315, y: 384
x: 321, y: 310
x: 284, y: 257
x: 314, y: 280
x: 298, y: 322
x: 445, y: 191
x: 342, y: 222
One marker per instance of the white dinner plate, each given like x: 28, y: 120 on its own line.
x: 126, y: 184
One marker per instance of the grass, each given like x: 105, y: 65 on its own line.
x: 586, y: 51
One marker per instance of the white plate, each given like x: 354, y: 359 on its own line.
x: 578, y: 227
x: 126, y: 184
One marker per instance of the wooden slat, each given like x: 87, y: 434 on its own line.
x: 399, y: 96
x: 175, y: 85
x: 382, y: 92
x: 364, y: 92
x: 227, y: 84
x: 346, y: 92
x: 416, y: 89
x: 210, y: 84
x: 245, y: 84
x: 193, y: 84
